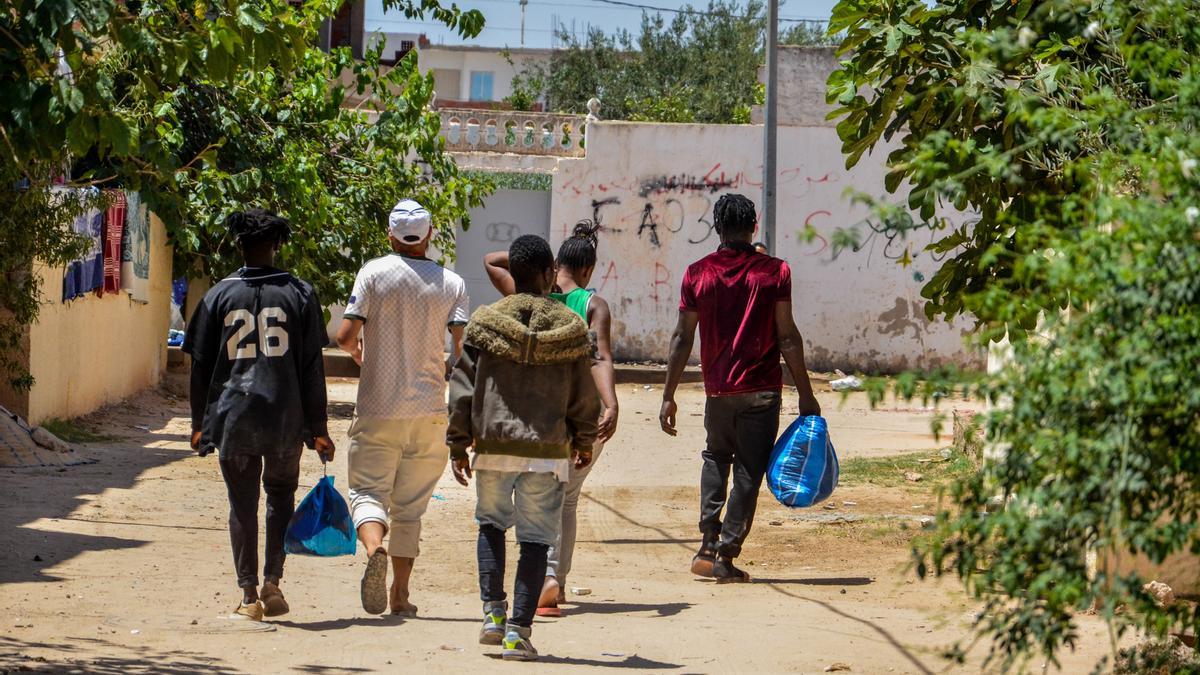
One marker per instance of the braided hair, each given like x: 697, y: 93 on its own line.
x: 257, y: 226
x: 734, y: 214
x: 529, y: 256
x: 578, y: 252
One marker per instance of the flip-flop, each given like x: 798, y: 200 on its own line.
x: 552, y: 612
x: 373, y: 589
x: 406, y: 613
x: 702, y: 565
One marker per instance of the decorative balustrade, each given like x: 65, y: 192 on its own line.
x: 523, y: 133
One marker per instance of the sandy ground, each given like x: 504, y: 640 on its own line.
x: 123, y: 566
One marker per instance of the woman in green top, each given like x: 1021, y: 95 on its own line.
x: 574, y: 266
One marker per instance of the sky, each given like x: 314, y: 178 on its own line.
x: 504, y: 18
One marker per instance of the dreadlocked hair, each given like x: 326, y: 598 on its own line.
x: 528, y: 256
x: 578, y: 252
x: 734, y: 214
x: 255, y: 226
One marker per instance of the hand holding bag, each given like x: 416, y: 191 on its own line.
x: 803, y: 470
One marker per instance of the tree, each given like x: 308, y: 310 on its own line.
x: 206, y: 108
x: 1069, y: 130
x: 701, y: 66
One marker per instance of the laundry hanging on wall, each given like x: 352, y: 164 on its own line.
x: 114, y: 225
x: 135, y: 249
x: 87, y: 273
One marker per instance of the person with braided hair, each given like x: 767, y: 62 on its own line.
x: 573, y: 271
x: 742, y: 301
x: 258, y: 396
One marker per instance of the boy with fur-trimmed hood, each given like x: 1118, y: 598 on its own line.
x: 523, y: 396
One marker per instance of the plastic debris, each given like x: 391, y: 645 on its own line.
x: 849, y: 383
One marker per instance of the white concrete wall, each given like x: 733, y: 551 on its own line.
x: 653, y: 186
x: 504, y: 216
x: 803, y: 72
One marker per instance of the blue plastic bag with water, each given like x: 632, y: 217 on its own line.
x: 804, y: 468
x: 321, y: 524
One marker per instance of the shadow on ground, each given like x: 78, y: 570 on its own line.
x: 69, y: 659
x: 633, y: 661
x: 662, y: 609
x: 38, y: 493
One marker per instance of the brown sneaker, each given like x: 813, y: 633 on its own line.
x: 251, y: 612
x: 702, y: 562
x: 272, y: 600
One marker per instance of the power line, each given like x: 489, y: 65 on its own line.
x: 698, y: 12
x: 622, y: 4
x: 640, y: 7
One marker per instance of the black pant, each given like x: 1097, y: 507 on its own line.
x: 741, y: 432
x: 242, y: 474
x: 531, y: 573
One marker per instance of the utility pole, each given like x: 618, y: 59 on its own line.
x: 769, y: 128
x: 523, y: 3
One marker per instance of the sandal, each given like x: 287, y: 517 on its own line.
x: 549, y: 608
x: 373, y: 588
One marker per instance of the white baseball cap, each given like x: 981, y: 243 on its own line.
x: 409, y: 222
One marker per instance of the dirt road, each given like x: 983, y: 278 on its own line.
x: 123, y: 566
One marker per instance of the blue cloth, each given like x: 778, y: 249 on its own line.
x: 175, y: 338
x: 179, y: 291
x: 321, y: 525
x: 87, y: 273
x: 803, y: 469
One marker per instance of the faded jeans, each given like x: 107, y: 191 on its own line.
x: 533, y: 503
x: 558, y: 562
x: 741, y: 433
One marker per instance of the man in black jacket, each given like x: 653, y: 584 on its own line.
x: 258, y: 395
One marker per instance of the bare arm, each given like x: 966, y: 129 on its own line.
x: 603, y: 370
x: 791, y: 344
x: 347, y: 338
x: 681, y: 349
x: 456, y: 340
x: 496, y: 265
x: 456, y: 345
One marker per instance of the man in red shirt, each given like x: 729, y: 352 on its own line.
x: 742, y: 301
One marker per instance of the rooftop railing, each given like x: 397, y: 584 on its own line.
x: 523, y: 133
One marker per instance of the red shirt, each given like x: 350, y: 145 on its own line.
x: 734, y: 291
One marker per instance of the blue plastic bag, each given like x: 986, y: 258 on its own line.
x: 804, y: 468
x: 321, y: 524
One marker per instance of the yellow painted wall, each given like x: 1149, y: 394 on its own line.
x: 93, y: 351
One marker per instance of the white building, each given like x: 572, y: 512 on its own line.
x: 466, y: 76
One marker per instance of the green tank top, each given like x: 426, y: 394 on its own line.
x: 576, y: 301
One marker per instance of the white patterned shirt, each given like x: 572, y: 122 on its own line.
x: 406, y: 305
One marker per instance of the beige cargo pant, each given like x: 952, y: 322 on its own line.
x: 394, y: 467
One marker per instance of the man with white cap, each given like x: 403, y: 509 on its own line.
x: 393, y: 326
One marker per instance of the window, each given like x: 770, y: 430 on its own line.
x: 406, y: 46
x: 481, y: 85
